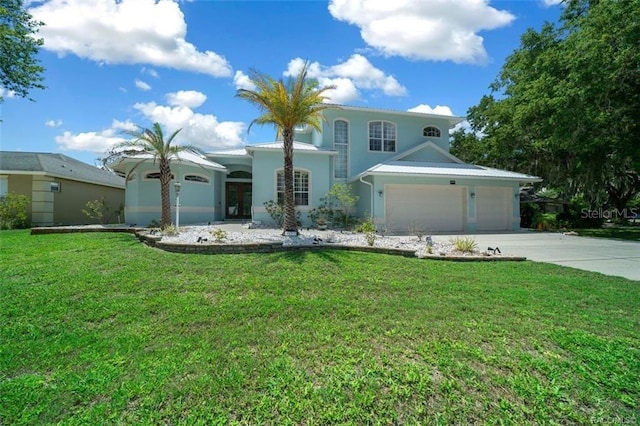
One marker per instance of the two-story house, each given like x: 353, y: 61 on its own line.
x: 397, y: 162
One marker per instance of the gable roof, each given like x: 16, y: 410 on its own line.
x: 446, y: 170
x: 56, y: 165
x: 427, y: 145
x: 297, y: 146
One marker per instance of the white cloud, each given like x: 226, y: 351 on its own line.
x: 53, y: 123
x: 149, y: 71
x: 349, y: 77
x: 96, y: 142
x: 426, y: 109
x: 242, y: 81
x: 436, y: 30
x: 142, y: 85
x: 549, y: 3
x: 125, y: 32
x: 202, y: 130
x: 186, y: 98
x: 6, y: 94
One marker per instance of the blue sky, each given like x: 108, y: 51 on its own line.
x: 112, y: 65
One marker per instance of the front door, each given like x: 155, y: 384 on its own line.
x: 238, y: 200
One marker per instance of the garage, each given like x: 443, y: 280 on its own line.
x: 431, y: 208
x: 494, y: 206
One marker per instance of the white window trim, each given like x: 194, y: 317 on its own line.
x: 296, y: 169
x: 433, y: 126
x: 382, y: 151
x: 348, y: 147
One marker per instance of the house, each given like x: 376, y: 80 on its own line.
x: 58, y: 186
x: 397, y: 162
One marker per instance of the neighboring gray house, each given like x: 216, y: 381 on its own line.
x: 58, y: 186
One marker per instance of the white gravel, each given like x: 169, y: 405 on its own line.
x: 203, y: 235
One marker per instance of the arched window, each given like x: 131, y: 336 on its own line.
x: 341, y: 144
x: 155, y: 175
x: 196, y: 178
x: 382, y: 136
x: 239, y: 174
x: 431, y: 132
x: 300, y: 187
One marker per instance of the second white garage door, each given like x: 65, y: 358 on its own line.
x: 494, y: 207
x: 434, y: 208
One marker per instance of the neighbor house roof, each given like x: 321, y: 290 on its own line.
x: 239, y: 152
x: 453, y: 170
x: 185, y: 157
x: 297, y: 146
x: 56, y: 165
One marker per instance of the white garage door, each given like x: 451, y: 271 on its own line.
x: 429, y: 207
x: 493, y: 208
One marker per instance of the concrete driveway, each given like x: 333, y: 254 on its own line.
x: 609, y: 257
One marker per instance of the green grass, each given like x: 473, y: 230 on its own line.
x: 100, y: 329
x: 621, y: 232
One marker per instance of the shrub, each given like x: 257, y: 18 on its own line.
x: 219, y: 235
x: 13, y: 211
x: 100, y: 210
x: 276, y: 211
x: 464, y: 244
x: 369, y: 229
x: 170, y: 230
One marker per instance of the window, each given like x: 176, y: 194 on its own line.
x: 300, y: 187
x: 196, y: 178
x: 382, y: 136
x: 155, y: 175
x: 55, y: 186
x: 431, y: 132
x: 4, y: 186
x: 239, y: 174
x: 341, y: 144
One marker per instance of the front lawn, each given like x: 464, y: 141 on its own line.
x: 98, y: 328
x: 621, y: 232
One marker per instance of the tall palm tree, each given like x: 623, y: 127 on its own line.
x: 298, y: 101
x: 152, y: 142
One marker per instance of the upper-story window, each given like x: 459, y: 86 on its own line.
x: 431, y: 132
x: 300, y: 187
x: 382, y: 136
x: 196, y: 178
x: 341, y: 144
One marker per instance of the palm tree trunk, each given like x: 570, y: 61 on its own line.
x: 165, y: 181
x: 290, y: 223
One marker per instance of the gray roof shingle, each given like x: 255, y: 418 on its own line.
x: 58, y: 165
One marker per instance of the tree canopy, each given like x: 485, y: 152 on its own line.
x: 20, y: 69
x: 566, y: 105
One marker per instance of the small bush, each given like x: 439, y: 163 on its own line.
x: 464, y: 244
x: 276, y: 211
x: 100, y: 210
x: 170, y: 230
x: 219, y: 235
x: 369, y: 229
x: 13, y: 211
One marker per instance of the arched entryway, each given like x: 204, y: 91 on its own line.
x: 238, y: 190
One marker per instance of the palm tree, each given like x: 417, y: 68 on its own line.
x: 299, y: 101
x: 151, y: 142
